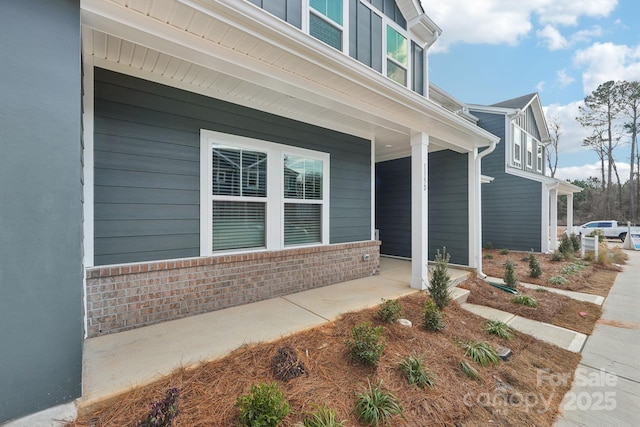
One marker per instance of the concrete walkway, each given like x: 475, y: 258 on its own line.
x: 606, y: 387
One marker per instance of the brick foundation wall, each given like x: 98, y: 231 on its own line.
x: 129, y: 296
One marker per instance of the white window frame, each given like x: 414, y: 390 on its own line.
x: 517, y: 147
x: 344, y: 28
x: 529, y: 153
x: 386, y: 22
x: 275, y: 200
x: 539, y: 157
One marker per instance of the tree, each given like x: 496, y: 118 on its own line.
x: 600, y: 111
x: 630, y: 94
x: 552, y: 147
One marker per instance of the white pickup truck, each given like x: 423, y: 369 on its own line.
x: 610, y: 229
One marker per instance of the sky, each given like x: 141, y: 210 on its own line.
x: 494, y: 50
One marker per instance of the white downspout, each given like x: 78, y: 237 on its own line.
x: 478, y: 227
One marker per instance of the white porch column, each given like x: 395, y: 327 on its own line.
x: 553, y: 223
x: 569, y: 214
x: 419, y: 210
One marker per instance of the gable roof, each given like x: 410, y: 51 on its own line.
x: 519, y: 103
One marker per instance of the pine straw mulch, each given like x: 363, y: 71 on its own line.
x: 596, y: 279
x: 208, y: 392
x: 552, y: 308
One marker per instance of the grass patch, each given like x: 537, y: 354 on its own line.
x: 499, y: 329
x: 525, y: 300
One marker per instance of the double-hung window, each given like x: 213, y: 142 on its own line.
x: 397, y: 56
x: 517, y: 146
x: 539, y: 161
x: 326, y: 21
x: 529, y: 151
x: 259, y: 195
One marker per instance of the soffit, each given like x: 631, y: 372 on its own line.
x: 231, y: 50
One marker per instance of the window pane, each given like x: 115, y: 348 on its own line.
x: 517, y: 145
x: 396, y: 73
x: 397, y: 46
x: 239, y: 173
x: 302, y: 178
x: 302, y: 223
x: 238, y: 225
x: 324, y: 31
x: 332, y: 9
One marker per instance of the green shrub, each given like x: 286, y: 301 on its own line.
x: 432, y: 318
x: 558, y: 280
x: 263, y: 406
x: 481, y: 352
x: 470, y: 372
x: 575, y: 242
x: 535, y: 270
x: 322, y: 417
x: 504, y: 252
x: 375, y: 407
x: 366, y: 343
x: 416, y: 372
x: 488, y: 245
x: 598, y: 233
x: 439, y: 280
x: 487, y: 256
x: 498, y: 328
x: 525, y: 300
x: 389, y: 311
x: 557, y: 256
x: 572, y: 268
x: 510, y: 278
x: 566, y: 246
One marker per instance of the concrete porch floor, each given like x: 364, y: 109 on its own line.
x: 112, y: 364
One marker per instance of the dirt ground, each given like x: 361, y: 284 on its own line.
x: 520, y: 391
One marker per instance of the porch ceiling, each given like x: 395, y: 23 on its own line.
x: 231, y: 50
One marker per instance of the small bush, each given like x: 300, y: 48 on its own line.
x: 598, y: 233
x: 498, y: 328
x: 572, y: 268
x: 488, y: 245
x: 558, y: 280
x: 557, y: 256
x: 525, y: 300
x: 535, y: 270
x: 389, y: 311
x: 488, y: 256
x: 566, y: 246
x: 504, y: 252
x: 416, y: 372
x: 322, y: 417
x: 481, y: 352
x: 470, y: 372
x: 376, y: 407
x: 510, y: 278
x: 575, y: 242
x: 439, y: 280
x: 162, y: 412
x: 366, y: 343
x: 263, y: 406
x: 432, y: 318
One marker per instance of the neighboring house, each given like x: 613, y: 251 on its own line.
x: 164, y: 158
x: 519, y: 206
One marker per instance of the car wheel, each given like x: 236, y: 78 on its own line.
x: 622, y: 236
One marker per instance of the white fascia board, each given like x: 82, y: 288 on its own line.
x: 490, y: 109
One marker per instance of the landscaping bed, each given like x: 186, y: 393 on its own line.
x: 515, y: 392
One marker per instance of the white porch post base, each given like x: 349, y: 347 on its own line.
x: 419, y: 210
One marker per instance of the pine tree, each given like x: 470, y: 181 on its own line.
x: 439, y: 280
x: 510, y: 278
x: 535, y: 270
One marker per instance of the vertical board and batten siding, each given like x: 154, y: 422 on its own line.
x: 288, y: 10
x: 147, y: 167
x: 365, y: 36
x: 41, y: 312
x: 511, y: 205
x: 448, y: 206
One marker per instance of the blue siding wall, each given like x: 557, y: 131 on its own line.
x: 448, y: 206
x: 40, y: 206
x: 511, y: 205
x: 147, y: 166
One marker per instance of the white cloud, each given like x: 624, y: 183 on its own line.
x: 552, y: 38
x: 564, y: 79
x: 507, y: 22
x: 607, y: 61
x: 540, y: 86
x: 571, y: 133
x: 590, y: 170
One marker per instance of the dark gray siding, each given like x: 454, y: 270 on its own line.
x: 417, y: 54
x: 365, y: 39
x: 511, y: 205
x: 147, y: 155
x: 448, y: 206
x: 287, y: 10
x: 40, y: 206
